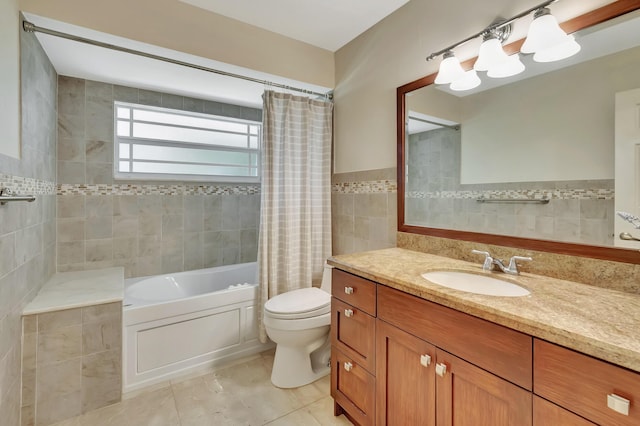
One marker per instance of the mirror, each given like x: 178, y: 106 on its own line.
x: 529, y: 162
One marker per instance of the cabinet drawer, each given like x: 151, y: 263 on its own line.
x: 504, y: 352
x: 354, y: 290
x: 353, y: 387
x: 353, y: 332
x: 582, y: 384
x: 546, y: 413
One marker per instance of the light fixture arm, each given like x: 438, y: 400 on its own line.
x: 490, y: 28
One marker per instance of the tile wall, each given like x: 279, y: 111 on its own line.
x: 27, y: 230
x: 71, y: 362
x: 364, y: 210
x: 148, y: 228
x: 363, y: 203
x: 577, y: 211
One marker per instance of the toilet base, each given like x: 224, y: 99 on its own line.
x: 293, y: 367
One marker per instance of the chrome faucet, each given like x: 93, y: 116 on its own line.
x: 490, y: 262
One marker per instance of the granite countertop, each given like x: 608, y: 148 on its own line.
x: 597, y: 321
x: 69, y: 290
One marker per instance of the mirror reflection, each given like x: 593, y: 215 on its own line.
x: 531, y: 158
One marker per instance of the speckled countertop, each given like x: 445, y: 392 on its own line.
x: 599, y: 322
x: 68, y: 290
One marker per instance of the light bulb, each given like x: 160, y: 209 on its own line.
x: 545, y: 35
x: 468, y: 81
x: 450, y: 69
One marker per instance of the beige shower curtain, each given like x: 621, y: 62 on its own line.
x: 295, y: 212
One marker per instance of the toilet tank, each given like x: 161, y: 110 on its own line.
x: 326, y: 278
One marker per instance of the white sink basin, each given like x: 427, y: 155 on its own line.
x: 474, y: 283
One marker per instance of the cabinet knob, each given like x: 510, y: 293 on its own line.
x: 348, y: 313
x: 425, y: 360
x: 618, y: 404
x: 441, y: 369
x: 348, y: 366
x: 348, y: 290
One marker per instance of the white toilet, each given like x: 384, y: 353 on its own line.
x: 298, y: 322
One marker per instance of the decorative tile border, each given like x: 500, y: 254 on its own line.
x: 141, y: 189
x: 27, y: 186
x: 552, y: 194
x: 365, y: 187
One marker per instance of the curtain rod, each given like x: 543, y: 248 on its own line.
x: 32, y: 28
x: 448, y: 126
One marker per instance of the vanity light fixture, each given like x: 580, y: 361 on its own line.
x: 545, y: 40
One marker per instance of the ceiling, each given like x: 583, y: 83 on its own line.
x: 329, y: 24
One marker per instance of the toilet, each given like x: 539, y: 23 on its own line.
x: 298, y: 322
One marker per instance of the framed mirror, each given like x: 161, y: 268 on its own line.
x: 529, y: 161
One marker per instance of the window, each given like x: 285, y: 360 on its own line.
x: 164, y: 144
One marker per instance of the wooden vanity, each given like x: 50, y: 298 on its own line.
x: 402, y: 357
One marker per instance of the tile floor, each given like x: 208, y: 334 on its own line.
x: 241, y: 394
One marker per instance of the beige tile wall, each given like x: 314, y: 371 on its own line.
x: 71, y: 362
x: 147, y: 227
x: 363, y: 210
x: 365, y: 218
x: 27, y: 230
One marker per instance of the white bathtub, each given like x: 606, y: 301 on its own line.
x: 188, y: 321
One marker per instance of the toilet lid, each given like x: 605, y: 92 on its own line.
x: 302, y: 303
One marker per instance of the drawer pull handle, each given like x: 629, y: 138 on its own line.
x: 348, y: 313
x: 348, y: 366
x: 348, y: 290
x: 425, y: 360
x: 441, y: 369
x: 618, y: 404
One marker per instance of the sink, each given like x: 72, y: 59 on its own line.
x: 474, y: 283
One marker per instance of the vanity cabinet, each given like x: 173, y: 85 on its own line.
x: 399, y: 359
x: 353, y: 311
x: 596, y: 390
x: 420, y: 381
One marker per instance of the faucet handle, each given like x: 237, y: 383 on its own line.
x: 488, y: 259
x: 513, y: 265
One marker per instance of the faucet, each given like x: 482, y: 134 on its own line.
x: 490, y: 262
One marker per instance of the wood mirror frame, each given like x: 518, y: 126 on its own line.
x: 586, y: 20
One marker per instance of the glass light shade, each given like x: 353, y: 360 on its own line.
x: 560, y: 51
x: 508, y: 68
x: 468, y: 81
x: 544, y: 33
x: 490, y: 54
x: 450, y: 69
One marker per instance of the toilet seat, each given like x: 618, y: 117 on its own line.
x: 299, y: 304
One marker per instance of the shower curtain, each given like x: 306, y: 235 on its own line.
x: 295, y: 212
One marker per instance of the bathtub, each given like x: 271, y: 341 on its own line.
x: 188, y: 321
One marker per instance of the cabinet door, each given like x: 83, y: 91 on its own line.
x: 405, y: 378
x: 470, y: 396
x: 546, y: 413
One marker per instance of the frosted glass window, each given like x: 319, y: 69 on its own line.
x: 159, y: 143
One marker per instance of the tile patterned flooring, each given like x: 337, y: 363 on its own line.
x: 240, y: 394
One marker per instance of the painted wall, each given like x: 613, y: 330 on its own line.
x: 392, y: 53
x: 182, y: 27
